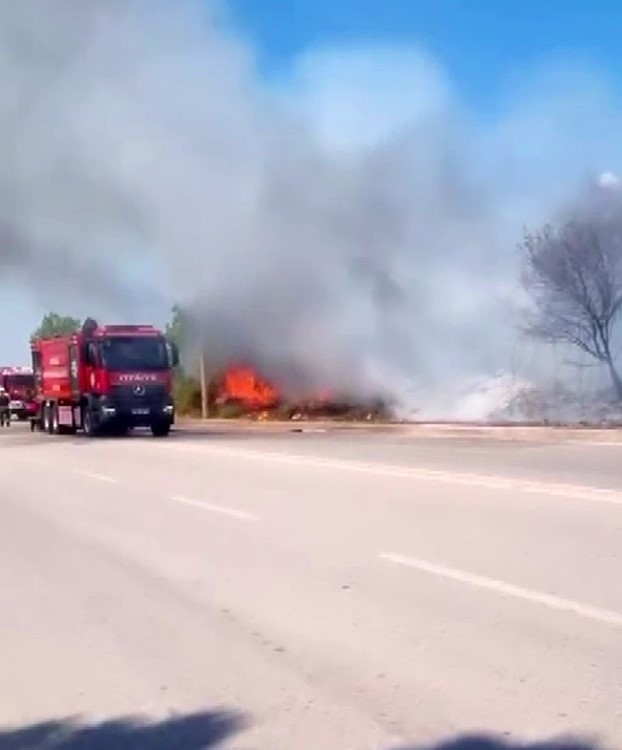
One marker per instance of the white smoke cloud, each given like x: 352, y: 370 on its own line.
x: 349, y: 226
x: 358, y: 96
x: 609, y: 181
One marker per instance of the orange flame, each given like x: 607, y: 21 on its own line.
x: 245, y: 385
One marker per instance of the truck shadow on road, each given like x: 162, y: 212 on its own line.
x: 198, y: 731
x: 488, y: 742
x: 204, y: 731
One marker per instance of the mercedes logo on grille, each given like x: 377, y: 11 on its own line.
x: 139, y: 390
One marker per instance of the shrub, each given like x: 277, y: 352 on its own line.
x: 232, y: 410
x: 187, y: 395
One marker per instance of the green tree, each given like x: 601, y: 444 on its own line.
x: 186, y: 386
x: 54, y: 324
x: 175, y: 327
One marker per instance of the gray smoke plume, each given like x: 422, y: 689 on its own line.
x: 144, y: 163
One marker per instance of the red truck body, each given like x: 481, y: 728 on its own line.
x: 104, y: 379
x: 19, y: 383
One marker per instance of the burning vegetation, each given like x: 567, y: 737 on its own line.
x: 243, y: 385
x: 242, y: 391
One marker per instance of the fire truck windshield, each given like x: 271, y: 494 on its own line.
x: 127, y: 353
x: 19, y: 382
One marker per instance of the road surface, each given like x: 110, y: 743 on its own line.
x: 359, y: 591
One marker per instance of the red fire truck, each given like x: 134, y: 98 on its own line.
x: 105, y: 379
x: 19, y: 383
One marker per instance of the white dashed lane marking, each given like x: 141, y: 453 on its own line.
x: 239, y: 515
x: 94, y: 475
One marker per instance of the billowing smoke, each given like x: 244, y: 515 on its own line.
x: 348, y: 227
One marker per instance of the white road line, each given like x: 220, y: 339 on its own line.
x: 240, y: 515
x: 595, y: 443
x: 593, y: 494
x: 550, y: 601
x: 94, y: 475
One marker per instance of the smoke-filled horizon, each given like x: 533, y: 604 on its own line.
x: 350, y: 226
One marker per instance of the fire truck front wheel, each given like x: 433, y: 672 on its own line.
x: 160, y: 429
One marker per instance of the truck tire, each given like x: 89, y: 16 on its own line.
x: 36, y: 422
x: 54, y: 423
x: 160, y: 429
x: 47, y: 418
x: 87, y: 422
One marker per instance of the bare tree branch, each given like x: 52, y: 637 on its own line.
x: 573, y: 274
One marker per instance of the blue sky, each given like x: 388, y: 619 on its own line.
x: 483, y: 44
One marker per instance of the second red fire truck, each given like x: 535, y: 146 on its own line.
x: 19, y: 383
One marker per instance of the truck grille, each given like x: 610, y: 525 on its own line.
x: 150, y: 395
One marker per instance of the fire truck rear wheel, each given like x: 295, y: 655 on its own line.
x: 88, y: 423
x: 47, y: 418
x: 54, y: 423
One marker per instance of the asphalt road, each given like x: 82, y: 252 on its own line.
x: 358, y: 591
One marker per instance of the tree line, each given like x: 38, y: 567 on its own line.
x: 571, y: 272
